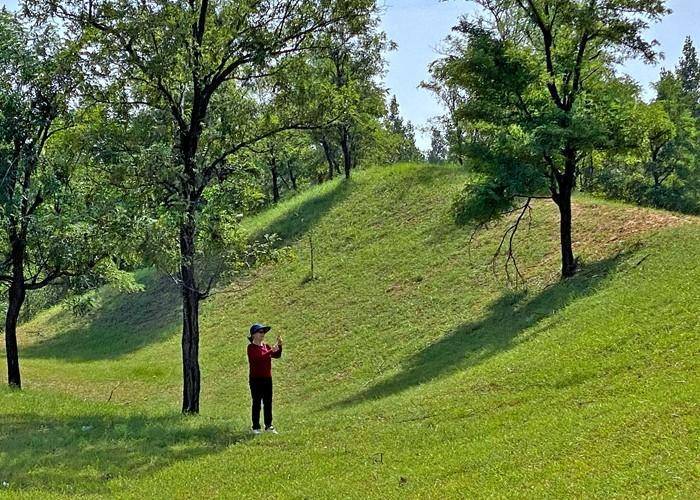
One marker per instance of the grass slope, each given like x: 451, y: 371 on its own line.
x: 410, y: 369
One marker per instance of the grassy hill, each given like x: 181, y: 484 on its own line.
x: 410, y: 368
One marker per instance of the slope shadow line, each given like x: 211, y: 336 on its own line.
x: 125, y: 323
x: 82, y: 454
x: 474, y: 342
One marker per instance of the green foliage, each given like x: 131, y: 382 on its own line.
x: 68, y: 221
x: 451, y: 125
x: 349, y: 67
x: 439, y: 151
x: 534, y: 83
x: 688, y: 73
x: 658, y: 164
x: 481, y: 202
x: 402, y: 339
x: 401, y: 137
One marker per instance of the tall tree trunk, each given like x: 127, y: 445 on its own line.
x: 329, y: 157
x: 347, y: 157
x: 568, y: 262
x: 275, y: 181
x: 15, y: 298
x: 565, y: 184
x: 190, y: 318
x: 292, y: 177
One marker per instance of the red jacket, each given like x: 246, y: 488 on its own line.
x: 260, y: 360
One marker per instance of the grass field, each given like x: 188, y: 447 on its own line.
x: 410, y: 369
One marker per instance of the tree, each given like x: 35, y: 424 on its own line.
x: 438, y: 146
x: 59, y: 222
x: 452, y: 98
x: 289, y: 158
x: 671, y: 141
x: 349, y: 67
x: 537, y: 96
x: 214, y: 69
x: 403, y: 135
x: 655, y: 159
x: 688, y: 72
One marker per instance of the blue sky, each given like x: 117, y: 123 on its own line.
x: 418, y: 26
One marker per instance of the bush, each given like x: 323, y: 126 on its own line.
x: 630, y: 184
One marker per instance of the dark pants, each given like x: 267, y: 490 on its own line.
x: 261, y: 392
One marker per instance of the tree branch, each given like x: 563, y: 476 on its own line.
x: 509, y: 235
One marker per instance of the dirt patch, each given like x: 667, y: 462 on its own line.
x: 600, y: 230
x: 599, y: 227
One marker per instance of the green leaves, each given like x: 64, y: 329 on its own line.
x: 541, y: 91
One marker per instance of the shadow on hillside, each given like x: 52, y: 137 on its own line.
x: 121, y: 324
x: 125, y: 323
x: 473, y: 342
x: 297, y: 221
x: 82, y: 454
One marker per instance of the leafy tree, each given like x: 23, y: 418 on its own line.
x: 59, y: 222
x: 658, y: 164
x: 538, y: 98
x: 403, y: 135
x: 349, y: 65
x: 671, y: 142
x: 438, y: 146
x: 213, y: 72
x: 688, y: 72
x: 289, y: 159
x: 452, y: 98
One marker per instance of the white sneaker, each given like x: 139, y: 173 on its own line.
x: 256, y: 431
x: 271, y: 429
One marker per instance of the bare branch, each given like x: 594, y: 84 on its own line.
x: 509, y: 236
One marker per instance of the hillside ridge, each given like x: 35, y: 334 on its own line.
x: 406, y: 335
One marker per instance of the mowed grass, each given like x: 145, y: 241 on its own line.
x: 410, y: 368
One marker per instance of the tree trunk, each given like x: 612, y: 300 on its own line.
x: 565, y: 184
x: 275, y: 181
x: 347, y: 157
x: 190, y: 319
x: 568, y: 262
x: 15, y: 298
x: 329, y: 157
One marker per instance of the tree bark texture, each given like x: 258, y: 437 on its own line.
x: 565, y: 183
x: 190, y: 320
x: 15, y: 298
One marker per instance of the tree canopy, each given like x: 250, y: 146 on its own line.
x: 537, y: 76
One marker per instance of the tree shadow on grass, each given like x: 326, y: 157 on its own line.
x: 80, y: 455
x: 471, y: 343
x: 121, y: 324
x: 124, y: 323
x: 301, y: 217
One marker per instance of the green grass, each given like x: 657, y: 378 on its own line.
x: 410, y: 368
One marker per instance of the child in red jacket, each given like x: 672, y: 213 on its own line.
x: 260, y: 360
